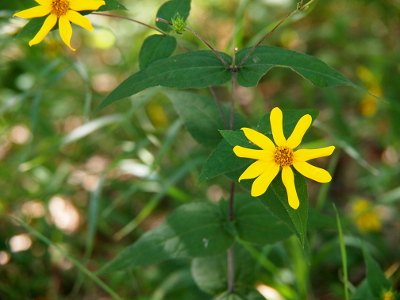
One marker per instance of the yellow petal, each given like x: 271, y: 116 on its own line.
x: 48, y: 24
x: 80, y: 20
x: 255, y: 170
x: 260, y: 185
x: 85, y: 4
x: 251, y: 153
x: 312, y: 172
x: 288, y: 181
x: 34, y: 12
x: 65, y: 31
x: 276, y: 119
x: 297, y: 135
x: 307, y: 154
x: 259, y: 139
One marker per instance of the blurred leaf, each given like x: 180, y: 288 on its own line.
x: 377, y: 281
x: 152, y: 203
x: 264, y: 58
x: 168, y: 10
x: 254, y: 223
x: 343, y: 254
x: 248, y: 294
x: 90, y: 127
x: 75, y: 262
x: 34, y: 25
x: 363, y: 292
x: 202, y: 117
x: 211, y: 273
x: 192, y: 230
x: 319, y: 220
x: 197, y: 69
x: 156, y: 47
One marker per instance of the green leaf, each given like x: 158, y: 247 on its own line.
x: 222, y: 160
x: 193, y: 230
x: 196, y: 69
x: 254, y: 223
x: 299, y: 215
x: 156, y: 47
x: 112, y: 5
x: 168, y: 10
x: 362, y: 292
x: 271, y: 201
x: 377, y: 281
x: 266, y: 57
x: 33, y: 26
x: 211, y: 273
x: 202, y: 117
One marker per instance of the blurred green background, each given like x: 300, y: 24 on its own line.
x: 94, y: 186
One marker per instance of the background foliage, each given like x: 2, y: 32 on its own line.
x: 95, y: 186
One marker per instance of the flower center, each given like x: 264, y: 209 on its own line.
x: 59, y: 7
x: 283, y: 156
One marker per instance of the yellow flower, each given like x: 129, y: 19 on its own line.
x: 273, y: 157
x: 366, y: 217
x: 388, y: 296
x: 63, y: 10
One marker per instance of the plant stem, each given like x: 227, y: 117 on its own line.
x: 300, y: 8
x: 231, y: 266
x: 129, y: 19
x: 201, y: 39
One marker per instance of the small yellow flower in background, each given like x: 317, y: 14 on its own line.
x: 273, y: 157
x: 63, y: 10
x: 366, y: 217
x: 388, y: 296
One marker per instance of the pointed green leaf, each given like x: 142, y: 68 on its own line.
x: 211, y: 273
x: 156, y: 47
x: 269, y: 199
x: 377, y: 281
x: 362, y: 292
x: 168, y: 10
x: 202, y: 117
x: 254, y: 223
x: 34, y: 25
x: 222, y: 160
x: 196, y: 69
x: 264, y: 58
x: 299, y: 216
x: 193, y: 230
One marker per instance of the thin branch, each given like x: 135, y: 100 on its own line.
x: 300, y: 8
x: 200, y: 38
x: 129, y: 19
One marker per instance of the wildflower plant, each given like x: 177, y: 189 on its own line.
x: 260, y: 212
